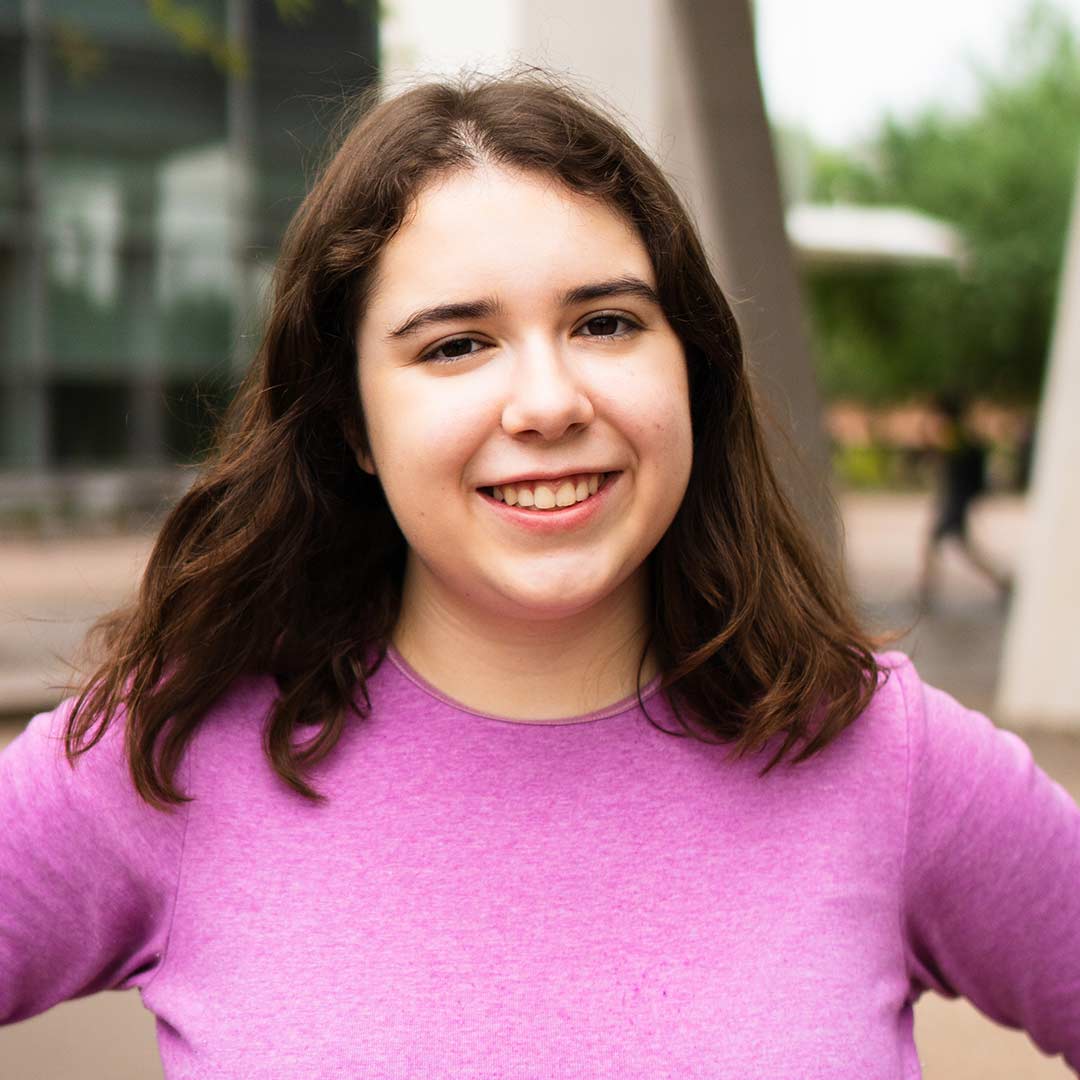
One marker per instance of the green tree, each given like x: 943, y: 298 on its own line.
x: 1004, y: 175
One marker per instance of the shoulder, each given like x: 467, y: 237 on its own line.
x: 885, y: 724
x: 959, y: 762
x: 36, y: 759
x: 919, y: 727
x: 899, y: 686
x: 935, y: 722
x: 904, y: 697
x: 933, y: 726
x: 38, y: 754
x: 245, y: 706
x: 227, y: 746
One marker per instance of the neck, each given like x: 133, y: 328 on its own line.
x: 526, y: 669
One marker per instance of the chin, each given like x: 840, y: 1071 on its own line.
x: 552, y: 604
x: 559, y: 603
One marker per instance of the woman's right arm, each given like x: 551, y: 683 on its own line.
x: 88, y: 871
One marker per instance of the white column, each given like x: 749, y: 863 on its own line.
x: 1040, y: 673
x: 721, y: 151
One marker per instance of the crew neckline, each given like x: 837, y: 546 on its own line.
x: 615, y: 709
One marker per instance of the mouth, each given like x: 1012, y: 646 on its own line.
x: 559, y: 519
x: 549, y: 497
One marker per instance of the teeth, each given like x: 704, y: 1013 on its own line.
x: 546, y: 496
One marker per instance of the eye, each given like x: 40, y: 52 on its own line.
x: 606, y: 321
x: 602, y: 325
x: 451, y: 350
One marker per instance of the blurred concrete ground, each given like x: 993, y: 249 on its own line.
x: 50, y: 592
x: 51, y: 589
x: 957, y: 644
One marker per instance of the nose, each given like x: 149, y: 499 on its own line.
x: 546, y: 394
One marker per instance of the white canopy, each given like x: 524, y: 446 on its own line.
x: 841, y: 233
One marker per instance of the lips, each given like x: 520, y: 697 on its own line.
x: 567, y: 519
x: 549, y: 478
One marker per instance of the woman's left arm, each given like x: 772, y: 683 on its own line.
x: 991, y: 898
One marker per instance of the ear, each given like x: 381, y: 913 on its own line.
x: 357, y: 444
x: 365, y: 462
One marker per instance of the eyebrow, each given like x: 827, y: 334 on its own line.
x: 487, y: 307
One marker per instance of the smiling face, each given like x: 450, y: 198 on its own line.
x: 529, y: 370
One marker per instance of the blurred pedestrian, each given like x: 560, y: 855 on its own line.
x: 960, y: 480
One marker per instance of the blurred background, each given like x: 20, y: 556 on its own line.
x: 886, y: 193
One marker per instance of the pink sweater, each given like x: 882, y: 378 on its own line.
x: 487, y: 898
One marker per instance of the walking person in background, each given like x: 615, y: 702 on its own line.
x: 486, y: 709
x: 961, y: 479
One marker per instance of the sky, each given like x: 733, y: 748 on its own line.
x: 835, y: 66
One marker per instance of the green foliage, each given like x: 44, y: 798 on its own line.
x: 294, y: 10
x: 862, y: 466
x: 197, y: 32
x: 878, y: 466
x: 1004, y: 176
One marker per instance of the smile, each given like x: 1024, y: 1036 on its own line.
x: 547, y: 495
x: 557, y: 518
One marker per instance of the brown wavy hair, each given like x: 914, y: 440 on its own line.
x: 284, y: 558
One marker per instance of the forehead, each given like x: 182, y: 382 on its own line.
x: 497, y: 230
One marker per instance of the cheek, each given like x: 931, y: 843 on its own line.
x: 657, y: 409
x: 427, y: 429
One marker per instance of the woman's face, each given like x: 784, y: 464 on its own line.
x: 512, y: 333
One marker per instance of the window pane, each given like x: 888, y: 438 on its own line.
x: 90, y: 421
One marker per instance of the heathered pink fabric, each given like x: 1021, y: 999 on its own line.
x: 487, y: 898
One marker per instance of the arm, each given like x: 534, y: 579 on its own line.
x: 991, y: 906
x: 87, y: 871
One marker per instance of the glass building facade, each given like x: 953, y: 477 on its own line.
x: 151, y: 154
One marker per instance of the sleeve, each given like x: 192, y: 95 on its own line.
x: 991, y: 880
x: 87, y: 870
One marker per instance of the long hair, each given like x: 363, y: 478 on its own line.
x: 283, y: 558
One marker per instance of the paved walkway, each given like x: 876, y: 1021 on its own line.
x: 50, y: 592
x: 957, y: 645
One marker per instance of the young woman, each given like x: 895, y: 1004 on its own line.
x: 486, y: 711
